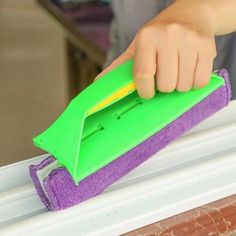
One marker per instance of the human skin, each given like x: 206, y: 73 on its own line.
x: 177, y: 47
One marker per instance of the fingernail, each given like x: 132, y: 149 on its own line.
x: 145, y: 88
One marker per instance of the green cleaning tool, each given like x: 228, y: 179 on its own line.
x: 108, y: 118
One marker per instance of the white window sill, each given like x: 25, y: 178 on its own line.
x: 197, y: 169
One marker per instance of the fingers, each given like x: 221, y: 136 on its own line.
x: 145, y: 67
x: 178, y: 63
x: 167, y: 70
x: 203, y: 71
x: 206, y: 54
x: 186, y: 70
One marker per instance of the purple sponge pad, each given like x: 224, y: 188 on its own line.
x: 57, y: 189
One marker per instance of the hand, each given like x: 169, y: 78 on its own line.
x: 177, y: 48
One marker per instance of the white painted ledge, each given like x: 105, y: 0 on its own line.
x: 197, y: 169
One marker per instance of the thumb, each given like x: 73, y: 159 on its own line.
x: 128, y: 54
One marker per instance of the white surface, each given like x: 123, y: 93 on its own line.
x: 197, y: 169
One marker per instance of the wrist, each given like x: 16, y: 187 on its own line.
x: 211, y: 12
x: 203, y: 11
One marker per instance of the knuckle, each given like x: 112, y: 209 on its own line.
x: 146, y: 32
x: 142, y: 75
x: 193, y: 39
x: 200, y: 36
x: 192, y: 36
x: 174, y: 27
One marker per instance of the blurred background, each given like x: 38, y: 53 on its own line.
x: 49, y: 51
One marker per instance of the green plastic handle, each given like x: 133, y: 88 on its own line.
x: 84, y: 143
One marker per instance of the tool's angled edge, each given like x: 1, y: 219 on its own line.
x: 68, y: 126
x: 62, y: 139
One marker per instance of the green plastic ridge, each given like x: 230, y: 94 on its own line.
x: 83, y: 144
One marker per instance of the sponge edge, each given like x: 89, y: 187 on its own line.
x: 58, y: 191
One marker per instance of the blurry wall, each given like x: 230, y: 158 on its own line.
x: 33, y: 87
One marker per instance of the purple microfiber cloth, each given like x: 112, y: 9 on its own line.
x: 57, y: 189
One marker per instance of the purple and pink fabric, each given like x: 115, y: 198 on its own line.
x: 57, y: 189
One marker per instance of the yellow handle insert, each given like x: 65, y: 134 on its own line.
x: 114, y: 97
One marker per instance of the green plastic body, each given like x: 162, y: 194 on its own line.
x: 85, y: 143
